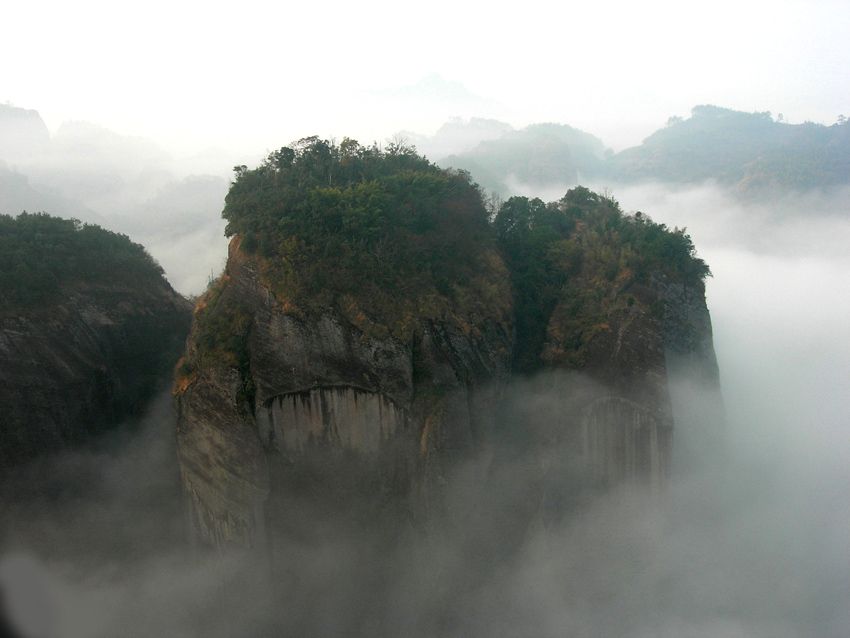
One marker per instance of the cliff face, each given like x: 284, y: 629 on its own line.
x: 648, y: 368
x: 600, y: 424
x: 627, y: 422
x: 648, y: 383
x: 71, y: 370
x: 692, y: 374
x: 322, y: 412
x: 360, y: 341
x: 320, y: 409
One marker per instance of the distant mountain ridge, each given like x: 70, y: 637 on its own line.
x: 124, y: 183
x: 23, y: 131
x: 746, y: 151
x: 538, y: 154
x: 749, y: 153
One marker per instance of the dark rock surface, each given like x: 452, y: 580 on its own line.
x: 692, y: 373
x: 71, y: 370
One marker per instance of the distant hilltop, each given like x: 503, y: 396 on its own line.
x: 23, y: 134
x: 749, y: 153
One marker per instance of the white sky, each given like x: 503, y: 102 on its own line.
x: 252, y: 75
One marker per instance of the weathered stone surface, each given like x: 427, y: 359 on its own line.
x: 347, y: 418
x: 625, y: 441
x: 352, y: 423
x: 646, y: 369
x: 693, y: 376
x: 70, y: 371
x: 224, y: 471
x: 686, y: 328
x: 332, y: 410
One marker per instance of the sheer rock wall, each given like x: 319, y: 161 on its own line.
x: 71, y: 370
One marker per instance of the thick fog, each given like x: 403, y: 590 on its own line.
x: 747, y: 541
x: 170, y: 203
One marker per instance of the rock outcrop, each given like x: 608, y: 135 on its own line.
x: 365, y: 339
x: 88, y: 326
x: 627, y: 422
x: 323, y: 409
x: 648, y: 365
x: 693, y: 377
x: 71, y: 370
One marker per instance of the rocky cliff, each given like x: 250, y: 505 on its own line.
x: 693, y: 376
x: 310, y: 391
x: 320, y: 408
x: 80, y: 349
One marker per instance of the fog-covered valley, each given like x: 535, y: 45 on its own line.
x: 748, y: 539
x: 399, y: 407
x: 748, y: 543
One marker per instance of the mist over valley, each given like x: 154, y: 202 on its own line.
x: 494, y: 524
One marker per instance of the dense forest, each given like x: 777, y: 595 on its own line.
x: 574, y: 261
x: 40, y: 253
x: 389, y: 239
x: 380, y: 235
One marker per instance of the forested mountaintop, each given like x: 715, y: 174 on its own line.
x: 41, y: 254
x: 389, y: 239
x: 373, y: 311
x: 575, y: 261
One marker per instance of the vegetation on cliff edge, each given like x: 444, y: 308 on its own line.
x: 380, y: 235
x: 388, y: 240
x: 574, y: 261
x: 40, y: 253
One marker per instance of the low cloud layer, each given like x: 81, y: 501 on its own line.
x: 752, y: 546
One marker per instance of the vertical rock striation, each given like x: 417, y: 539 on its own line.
x: 319, y: 409
x: 357, y: 348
